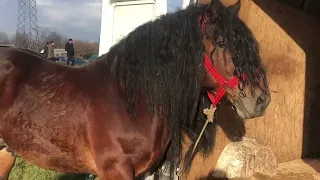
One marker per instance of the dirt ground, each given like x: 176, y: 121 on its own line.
x: 307, y: 169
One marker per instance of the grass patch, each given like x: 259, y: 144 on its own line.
x: 25, y: 171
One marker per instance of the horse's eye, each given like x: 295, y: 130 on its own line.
x: 221, y: 44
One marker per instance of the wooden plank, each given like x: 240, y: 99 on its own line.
x: 309, y: 6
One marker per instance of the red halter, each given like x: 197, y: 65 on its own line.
x: 224, y: 84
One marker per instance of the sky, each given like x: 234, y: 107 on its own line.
x: 76, y: 19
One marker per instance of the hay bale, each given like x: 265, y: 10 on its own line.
x: 243, y: 159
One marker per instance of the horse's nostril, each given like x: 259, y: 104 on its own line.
x: 260, y: 100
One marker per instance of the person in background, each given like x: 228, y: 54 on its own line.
x: 45, y: 50
x: 70, y: 52
x: 51, y: 51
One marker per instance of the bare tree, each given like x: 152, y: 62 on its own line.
x: 47, y: 35
x: 86, y: 49
x: 59, y: 39
x: 43, y: 34
x: 21, y: 40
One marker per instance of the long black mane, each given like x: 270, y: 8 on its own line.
x: 164, y: 58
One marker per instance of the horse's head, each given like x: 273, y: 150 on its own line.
x: 233, y: 65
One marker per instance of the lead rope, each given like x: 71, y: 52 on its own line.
x: 209, y: 112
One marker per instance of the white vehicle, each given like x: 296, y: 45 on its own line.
x: 120, y: 17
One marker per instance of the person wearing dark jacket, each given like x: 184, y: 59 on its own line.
x: 70, y: 52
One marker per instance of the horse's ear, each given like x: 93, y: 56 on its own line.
x: 215, y: 6
x: 234, y: 9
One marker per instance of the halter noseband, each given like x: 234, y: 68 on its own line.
x: 224, y: 84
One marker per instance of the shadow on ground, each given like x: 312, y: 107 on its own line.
x: 73, y: 177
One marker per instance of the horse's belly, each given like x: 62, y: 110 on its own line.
x: 56, y: 148
x: 48, y: 155
x: 63, y: 164
x: 49, y: 135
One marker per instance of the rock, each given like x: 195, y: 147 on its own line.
x: 243, y: 159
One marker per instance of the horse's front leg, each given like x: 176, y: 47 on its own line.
x: 6, y: 163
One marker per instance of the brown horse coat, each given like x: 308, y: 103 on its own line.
x: 70, y: 140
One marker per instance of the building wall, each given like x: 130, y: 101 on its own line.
x: 309, y: 6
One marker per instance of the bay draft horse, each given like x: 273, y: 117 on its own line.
x: 119, y: 116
